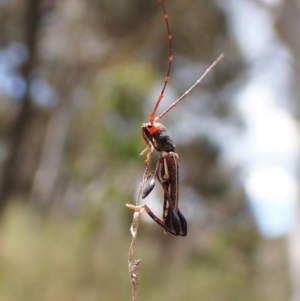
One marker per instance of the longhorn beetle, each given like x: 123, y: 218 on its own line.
x: 156, y: 137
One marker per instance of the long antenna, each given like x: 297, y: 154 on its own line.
x: 161, y: 95
x: 221, y: 56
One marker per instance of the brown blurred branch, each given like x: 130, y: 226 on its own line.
x: 288, y: 26
x: 18, y: 129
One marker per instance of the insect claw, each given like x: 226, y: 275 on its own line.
x: 140, y: 209
x: 145, y: 150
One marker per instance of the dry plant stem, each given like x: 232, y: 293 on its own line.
x: 133, y: 264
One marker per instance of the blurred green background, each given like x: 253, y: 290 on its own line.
x: 77, y: 79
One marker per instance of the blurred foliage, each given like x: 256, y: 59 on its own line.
x: 56, y: 258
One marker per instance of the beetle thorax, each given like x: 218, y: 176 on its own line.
x: 156, y: 135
